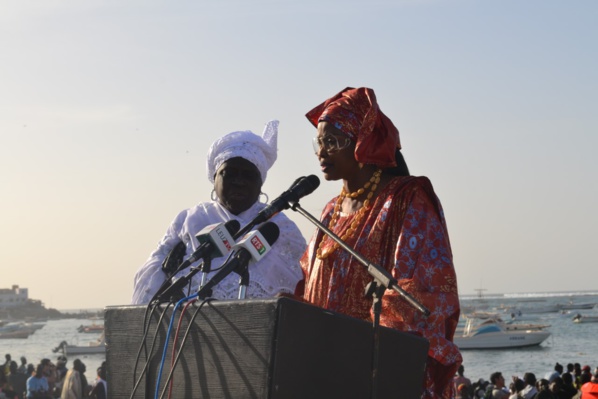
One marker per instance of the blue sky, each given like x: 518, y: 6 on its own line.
x: 108, y: 109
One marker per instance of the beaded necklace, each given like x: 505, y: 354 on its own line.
x: 372, y: 184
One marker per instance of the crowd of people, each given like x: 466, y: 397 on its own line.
x: 570, y: 382
x: 47, y: 380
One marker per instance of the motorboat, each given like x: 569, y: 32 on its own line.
x: 510, y: 326
x: 92, y: 328
x: 536, y: 309
x: 483, y: 315
x: 578, y: 306
x: 495, y: 334
x: 579, y: 318
x: 95, y: 347
x: 19, y: 329
x: 14, y: 334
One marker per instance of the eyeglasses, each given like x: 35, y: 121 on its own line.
x: 330, y: 143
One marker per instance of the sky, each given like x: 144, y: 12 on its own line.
x: 108, y: 108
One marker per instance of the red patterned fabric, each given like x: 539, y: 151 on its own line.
x: 356, y: 113
x: 405, y: 233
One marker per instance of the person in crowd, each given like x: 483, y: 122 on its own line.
x: 570, y: 369
x: 237, y: 165
x: 585, y: 378
x: 499, y: 390
x: 391, y: 218
x: 544, y: 392
x: 18, y: 381
x: 479, y: 388
x: 558, y: 370
x: 2, y: 376
x: 568, y: 388
x: 6, y: 391
x: 49, y: 373
x: 463, y: 392
x: 589, y: 390
x: 61, y: 368
x: 556, y: 387
x: 84, y: 383
x: 75, y: 384
x: 6, y: 365
x: 515, y: 388
x: 61, y: 371
x: 99, y: 388
x: 577, y: 375
x: 530, y: 390
x: 23, y: 367
x: 37, y: 385
x: 461, y: 379
x: 30, y: 370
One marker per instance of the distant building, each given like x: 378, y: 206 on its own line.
x: 13, y: 297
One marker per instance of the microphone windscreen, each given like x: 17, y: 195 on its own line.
x: 314, y: 182
x: 233, y: 226
x: 270, y: 231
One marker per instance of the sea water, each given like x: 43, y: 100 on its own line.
x: 42, y: 342
x: 569, y: 342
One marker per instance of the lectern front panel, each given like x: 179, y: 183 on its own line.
x: 275, y: 349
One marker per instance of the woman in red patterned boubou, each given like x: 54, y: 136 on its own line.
x: 394, y: 220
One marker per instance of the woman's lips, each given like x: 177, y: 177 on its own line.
x: 325, y: 165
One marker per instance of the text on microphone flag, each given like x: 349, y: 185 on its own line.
x: 225, y: 240
x: 258, y: 245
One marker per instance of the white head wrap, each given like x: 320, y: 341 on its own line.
x: 260, y: 151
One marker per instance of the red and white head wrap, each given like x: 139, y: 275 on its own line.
x: 356, y: 113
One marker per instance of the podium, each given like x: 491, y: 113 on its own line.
x: 274, y: 348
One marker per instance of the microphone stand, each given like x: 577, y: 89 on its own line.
x: 382, y: 280
x: 380, y: 275
x: 205, y: 290
x: 175, y: 288
x: 206, y: 268
x: 243, y: 273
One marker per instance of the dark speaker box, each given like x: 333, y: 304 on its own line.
x: 276, y: 348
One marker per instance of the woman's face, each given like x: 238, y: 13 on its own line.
x: 336, y: 153
x: 238, y: 184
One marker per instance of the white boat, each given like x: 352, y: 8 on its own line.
x: 525, y: 326
x: 21, y: 334
x: 493, y: 334
x: 483, y: 315
x: 19, y: 329
x: 509, y: 325
x: 577, y: 306
x: 95, y: 347
x: 579, y: 318
x: 536, y: 309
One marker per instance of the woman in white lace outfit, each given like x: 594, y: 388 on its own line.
x: 237, y: 164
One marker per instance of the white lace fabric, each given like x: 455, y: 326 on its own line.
x: 279, y: 271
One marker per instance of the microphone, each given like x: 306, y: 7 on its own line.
x: 215, y: 240
x: 250, y: 249
x: 300, y: 188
